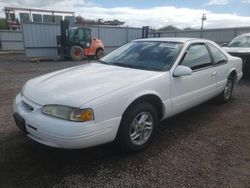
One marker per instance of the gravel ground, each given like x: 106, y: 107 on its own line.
x: 207, y: 146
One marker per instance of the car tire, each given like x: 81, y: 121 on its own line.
x: 100, y: 53
x: 138, y: 126
x: 226, y: 94
x: 76, y: 53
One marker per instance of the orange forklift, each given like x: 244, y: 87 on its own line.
x: 76, y: 43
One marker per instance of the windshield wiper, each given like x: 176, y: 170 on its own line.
x: 136, y: 66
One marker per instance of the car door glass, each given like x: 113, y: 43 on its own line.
x: 217, y: 55
x: 197, y: 57
x: 88, y: 35
x: 81, y: 35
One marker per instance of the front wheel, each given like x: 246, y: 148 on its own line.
x: 138, y: 127
x: 76, y: 53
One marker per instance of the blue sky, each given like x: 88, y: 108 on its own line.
x: 232, y: 6
x: 154, y: 13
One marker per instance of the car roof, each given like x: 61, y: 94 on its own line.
x: 173, y: 39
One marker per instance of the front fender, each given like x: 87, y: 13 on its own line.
x: 114, y: 104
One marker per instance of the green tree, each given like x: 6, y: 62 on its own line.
x: 82, y: 21
x: 3, y: 24
x: 169, y: 28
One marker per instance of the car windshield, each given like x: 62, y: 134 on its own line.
x: 241, y: 41
x: 147, y: 55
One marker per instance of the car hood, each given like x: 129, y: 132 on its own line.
x: 236, y: 50
x: 78, y: 85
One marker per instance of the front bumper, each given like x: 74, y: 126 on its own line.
x: 59, y: 133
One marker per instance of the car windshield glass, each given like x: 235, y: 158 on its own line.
x: 242, y: 41
x: 147, y: 55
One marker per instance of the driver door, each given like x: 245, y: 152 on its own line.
x: 188, y: 91
x: 84, y: 37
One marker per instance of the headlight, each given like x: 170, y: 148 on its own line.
x: 69, y: 113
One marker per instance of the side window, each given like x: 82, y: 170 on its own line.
x: 88, y: 35
x: 217, y: 55
x: 197, y: 57
x: 81, y: 35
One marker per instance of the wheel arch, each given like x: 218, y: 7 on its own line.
x: 233, y: 73
x: 150, y: 98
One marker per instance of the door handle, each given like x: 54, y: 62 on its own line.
x: 214, y: 74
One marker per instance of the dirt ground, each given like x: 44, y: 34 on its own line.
x: 207, y: 146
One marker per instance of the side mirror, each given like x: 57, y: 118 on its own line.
x: 181, y: 70
x: 224, y: 44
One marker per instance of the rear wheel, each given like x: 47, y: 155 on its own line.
x: 100, y: 53
x: 138, y: 127
x: 76, y: 53
x: 228, y: 90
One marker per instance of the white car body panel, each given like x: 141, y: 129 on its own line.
x: 82, y: 83
x: 187, y: 92
x: 109, y: 90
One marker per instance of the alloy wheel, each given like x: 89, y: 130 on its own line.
x: 141, y: 128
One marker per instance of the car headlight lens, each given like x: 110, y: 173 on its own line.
x: 69, y: 113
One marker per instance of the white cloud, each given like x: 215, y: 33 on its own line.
x: 155, y: 17
x: 217, y: 2
x: 246, y: 1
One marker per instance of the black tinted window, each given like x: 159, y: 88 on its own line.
x: 197, y: 57
x: 217, y: 55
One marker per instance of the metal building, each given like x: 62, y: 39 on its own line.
x: 40, y: 38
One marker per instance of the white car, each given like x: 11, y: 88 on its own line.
x: 125, y: 95
x: 240, y: 47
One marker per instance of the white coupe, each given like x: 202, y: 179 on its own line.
x: 124, y: 96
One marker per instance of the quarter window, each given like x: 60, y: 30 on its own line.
x: 197, y: 57
x: 217, y: 55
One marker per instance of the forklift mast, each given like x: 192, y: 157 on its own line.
x: 145, y: 31
x: 62, y: 40
x: 64, y: 32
